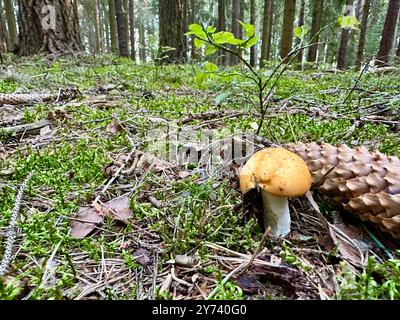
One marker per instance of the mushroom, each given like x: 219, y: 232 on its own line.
x: 279, y: 174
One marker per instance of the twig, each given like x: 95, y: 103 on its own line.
x: 259, y: 248
x: 11, y: 233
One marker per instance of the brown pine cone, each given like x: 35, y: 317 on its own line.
x: 366, y: 183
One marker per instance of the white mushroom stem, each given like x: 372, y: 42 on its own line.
x: 276, y: 214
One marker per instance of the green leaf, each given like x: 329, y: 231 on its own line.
x: 235, y: 41
x: 221, y: 97
x: 200, y: 78
x: 198, y: 43
x: 211, y: 29
x: 248, y: 29
x: 349, y: 22
x: 222, y: 37
x: 210, y: 49
x: 251, y: 42
x: 195, y: 28
x: 300, y: 32
x: 210, y: 67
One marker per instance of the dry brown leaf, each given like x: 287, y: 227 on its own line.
x: 85, y: 222
x: 114, y: 127
x: 117, y: 209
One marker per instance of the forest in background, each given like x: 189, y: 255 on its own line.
x: 126, y: 125
x: 140, y: 29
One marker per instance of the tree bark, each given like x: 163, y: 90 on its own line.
x: 125, y: 10
x: 287, y: 28
x: 96, y: 25
x: 344, y: 41
x: 11, y: 24
x: 221, y: 27
x: 235, y: 27
x: 300, y: 23
x: 388, y: 32
x: 142, y: 36
x: 106, y: 23
x: 184, y: 6
x: 171, y: 31
x: 398, y: 49
x: 113, y: 25
x: 317, y: 13
x: 363, y: 32
x: 253, y: 22
x: 192, y: 20
x: 132, y: 28
x: 35, y: 38
x: 121, y: 29
x: 266, y: 32
x: 4, y: 38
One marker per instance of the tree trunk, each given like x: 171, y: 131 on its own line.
x: 61, y: 34
x: 132, y: 28
x: 100, y: 22
x: 184, y: 23
x: 106, y: 25
x: 4, y: 34
x: 11, y: 24
x: 287, y: 28
x: 266, y: 32
x: 398, y: 49
x: 344, y: 40
x: 121, y: 29
x: 3, y: 41
x: 171, y: 33
x: 253, y: 22
x: 300, y: 23
x: 192, y: 18
x: 363, y: 32
x: 387, y: 39
x: 125, y: 9
x: 221, y: 27
x: 235, y: 27
x: 241, y: 17
x: 142, y: 36
x: 95, y: 23
x: 317, y: 13
x: 113, y: 25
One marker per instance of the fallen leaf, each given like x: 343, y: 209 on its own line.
x: 142, y: 256
x: 114, y: 127
x: 184, y: 174
x: 85, y: 222
x: 118, y: 208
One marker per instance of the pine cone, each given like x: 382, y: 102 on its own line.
x: 366, y: 183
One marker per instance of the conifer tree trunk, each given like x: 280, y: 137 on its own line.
x: 344, y: 41
x: 266, y: 35
x: 317, y: 12
x: 121, y: 29
x: 113, y: 26
x: 132, y: 28
x: 221, y: 26
x: 253, y: 22
x: 388, y: 34
x: 235, y: 27
x: 171, y: 30
x: 300, y: 23
x: 142, y: 36
x: 287, y: 28
x: 61, y: 34
x: 363, y: 32
x: 11, y: 24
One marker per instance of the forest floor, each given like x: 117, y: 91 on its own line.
x: 107, y: 216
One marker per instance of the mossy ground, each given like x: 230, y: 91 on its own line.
x: 69, y: 173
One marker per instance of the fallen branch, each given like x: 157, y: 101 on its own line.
x: 26, y: 128
x: 11, y: 233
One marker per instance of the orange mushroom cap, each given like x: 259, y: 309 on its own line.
x: 277, y: 171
